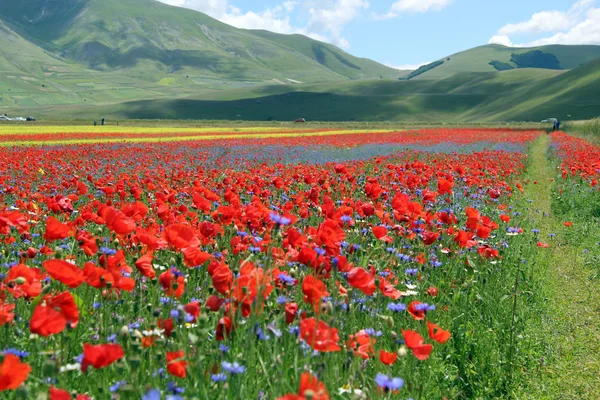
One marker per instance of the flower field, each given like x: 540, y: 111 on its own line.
x: 304, y: 264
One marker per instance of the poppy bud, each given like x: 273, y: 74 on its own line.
x: 20, y: 280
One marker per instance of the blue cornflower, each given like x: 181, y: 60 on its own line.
x: 279, y: 220
x: 152, y: 394
x: 16, y: 352
x: 396, y: 307
x: 411, y: 271
x: 223, y: 348
x: 173, y: 388
x: 320, y: 251
x: 233, y: 368
x: 219, y: 377
x: 282, y: 300
x: 387, y: 383
x: 113, y: 388
x: 285, y: 278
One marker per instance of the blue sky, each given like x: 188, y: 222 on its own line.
x: 408, y: 33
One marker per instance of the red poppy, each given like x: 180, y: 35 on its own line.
x: 6, y: 313
x: 444, y: 186
x: 173, y: 282
x: 416, y: 343
x: 319, y: 335
x: 193, y: 309
x: 290, y: 312
x: 117, y: 221
x: 331, y: 236
x: 414, y: 312
x: 64, y: 272
x: 430, y: 237
x: 314, y: 290
x: 362, y: 280
x: 389, y: 290
x: 97, y: 277
x: 23, y: 281
x: 310, y: 389
x: 144, y: 265
x: 542, y: 245
x: 224, y: 328
x: 362, y: 344
x: 13, y: 372
x: 53, y: 313
x: 176, y: 365
x: 214, y: 303
x: 222, y: 277
x: 167, y: 325
x: 387, y: 358
x: 181, y: 236
x: 55, y: 230
x: 58, y: 394
x: 100, y: 356
x: 438, y: 334
x: 568, y: 224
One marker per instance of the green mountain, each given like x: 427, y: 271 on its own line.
x: 496, y: 57
x: 514, y: 95
x: 150, y: 41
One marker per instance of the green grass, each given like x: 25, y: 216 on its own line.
x: 562, y: 329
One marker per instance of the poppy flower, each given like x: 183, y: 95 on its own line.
x: 310, y: 389
x: 331, y: 236
x: 117, y: 221
x: 416, y: 312
x: 362, y: 280
x: 144, y: 265
x: 55, y: 230
x: 314, y: 290
x: 58, y: 394
x: 6, y: 313
x: 175, y: 364
x: 13, y: 372
x: 224, y: 328
x: 542, y: 245
x: 438, y: 334
x: 430, y: 237
x: 388, y: 358
x: 222, y: 277
x: 380, y: 233
x: 444, y: 186
x: 362, y: 344
x: 53, y: 313
x: 319, y: 336
x: 290, y: 312
x: 416, y: 343
x: 64, y: 272
x: 100, y: 356
x: 23, y: 281
x: 173, y: 282
x: 568, y: 224
x: 389, y: 290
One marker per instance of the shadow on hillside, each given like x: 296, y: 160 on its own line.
x: 312, y: 106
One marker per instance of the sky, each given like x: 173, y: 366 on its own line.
x: 405, y: 34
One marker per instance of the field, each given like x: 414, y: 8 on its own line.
x: 301, y: 262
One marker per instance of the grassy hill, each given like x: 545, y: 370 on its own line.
x: 514, y: 95
x: 148, y: 40
x: 483, y: 59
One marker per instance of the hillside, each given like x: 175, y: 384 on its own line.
x: 515, y: 95
x: 495, y: 57
x: 149, y: 41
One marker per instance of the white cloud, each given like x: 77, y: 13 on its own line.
x: 578, y: 25
x: 406, y: 67
x: 501, y: 39
x: 413, y: 6
x: 326, y: 19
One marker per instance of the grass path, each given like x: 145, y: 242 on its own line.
x: 568, y: 325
